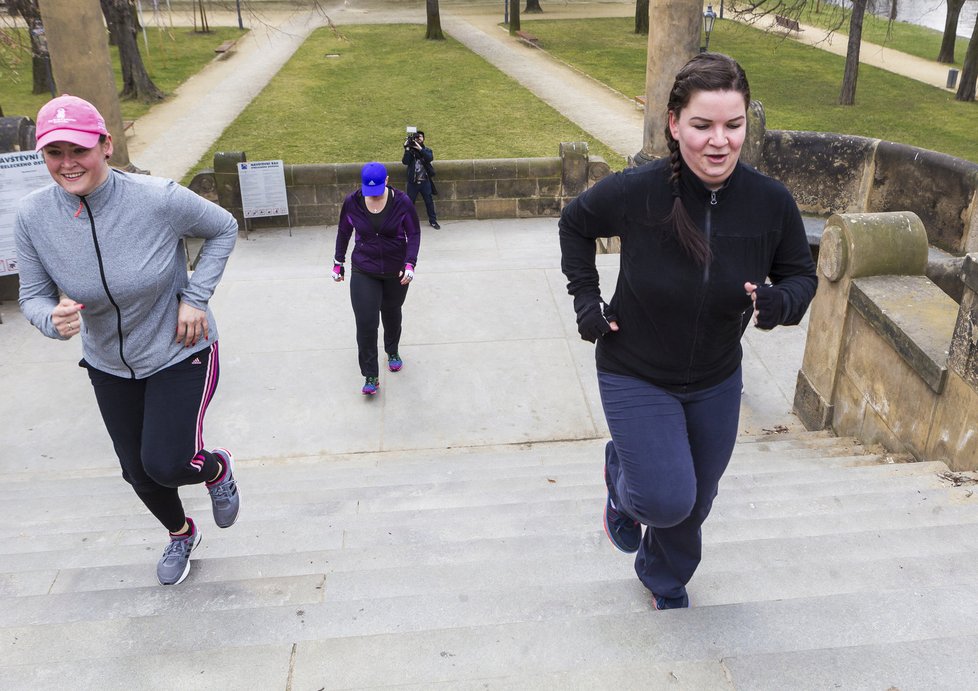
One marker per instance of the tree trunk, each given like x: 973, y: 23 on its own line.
x: 969, y: 71
x: 532, y: 7
x: 40, y: 58
x: 950, y: 31
x: 136, y: 83
x: 642, y: 17
x: 433, y: 32
x: 848, y: 95
x: 514, y: 16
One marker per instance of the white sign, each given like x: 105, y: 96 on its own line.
x: 21, y: 172
x: 263, y: 189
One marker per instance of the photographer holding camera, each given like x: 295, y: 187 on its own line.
x: 418, y: 157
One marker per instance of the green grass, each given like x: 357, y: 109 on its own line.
x: 173, y: 56
x: 798, y: 85
x: 354, y: 107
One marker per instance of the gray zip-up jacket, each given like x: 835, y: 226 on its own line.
x: 119, y: 251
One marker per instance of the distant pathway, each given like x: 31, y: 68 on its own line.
x: 604, y: 113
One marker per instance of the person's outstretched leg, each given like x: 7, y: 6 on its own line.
x: 366, y: 294
x: 393, y: 298
x: 121, y: 403
x: 670, y: 554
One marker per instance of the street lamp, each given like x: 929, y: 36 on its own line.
x: 709, y: 17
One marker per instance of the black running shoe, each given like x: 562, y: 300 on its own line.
x: 624, y: 531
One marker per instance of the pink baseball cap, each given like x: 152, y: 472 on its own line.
x: 69, y: 119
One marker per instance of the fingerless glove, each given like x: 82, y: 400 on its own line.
x: 769, y: 303
x: 591, y: 321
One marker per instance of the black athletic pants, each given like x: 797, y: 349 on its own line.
x: 156, y: 425
x: 376, y: 298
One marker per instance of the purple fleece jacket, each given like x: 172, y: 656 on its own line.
x: 384, y: 251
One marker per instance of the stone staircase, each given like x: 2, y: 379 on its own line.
x: 826, y: 565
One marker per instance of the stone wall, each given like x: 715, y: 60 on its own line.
x: 895, y: 360
x: 472, y: 189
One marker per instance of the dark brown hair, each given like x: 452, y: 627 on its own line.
x: 705, y: 72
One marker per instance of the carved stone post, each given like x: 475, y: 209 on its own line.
x: 852, y: 246
x: 79, y: 46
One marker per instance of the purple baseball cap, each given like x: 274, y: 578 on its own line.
x: 374, y: 179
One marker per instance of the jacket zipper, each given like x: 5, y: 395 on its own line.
x: 708, y: 231
x: 105, y: 285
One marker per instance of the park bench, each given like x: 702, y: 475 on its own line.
x: 528, y: 38
x: 226, y: 47
x: 787, y: 23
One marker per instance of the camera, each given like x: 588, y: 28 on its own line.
x: 412, y: 137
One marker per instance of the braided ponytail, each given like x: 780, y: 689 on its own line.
x: 705, y: 72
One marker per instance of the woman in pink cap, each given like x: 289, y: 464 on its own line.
x: 101, y: 256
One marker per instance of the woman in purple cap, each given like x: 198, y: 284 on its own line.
x: 385, y: 253
x: 101, y: 256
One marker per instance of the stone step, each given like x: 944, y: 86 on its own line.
x: 511, y: 517
x: 81, y: 507
x: 733, y: 555
x: 717, y: 583
x: 533, y: 630
x: 311, y: 535
x: 455, y: 463
x: 841, y: 495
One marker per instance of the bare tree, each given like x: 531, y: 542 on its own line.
x: 642, y: 17
x: 40, y: 58
x: 946, y: 54
x: 136, y: 83
x: 532, y: 7
x: 434, y: 31
x: 969, y: 70
x: 847, y: 97
x: 514, y: 16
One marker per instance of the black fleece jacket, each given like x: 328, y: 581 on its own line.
x: 680, y: 324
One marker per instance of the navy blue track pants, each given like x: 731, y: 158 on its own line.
x: 665, y: 458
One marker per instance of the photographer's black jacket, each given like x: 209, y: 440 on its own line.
x: 680, y: 324
x: 426, y: 156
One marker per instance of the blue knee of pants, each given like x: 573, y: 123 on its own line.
x: 665, y: 459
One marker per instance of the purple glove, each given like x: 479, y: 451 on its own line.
x: 338, y: 272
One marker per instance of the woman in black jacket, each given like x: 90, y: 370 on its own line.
x: 701, y: 233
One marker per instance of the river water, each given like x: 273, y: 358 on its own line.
x: 929, y: 13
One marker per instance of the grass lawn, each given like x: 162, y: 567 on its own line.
x: 798, y: 85
x: 354, y: 107
x: 173, y: 56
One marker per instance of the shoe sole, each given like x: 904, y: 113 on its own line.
x: 394, y: 369
x: 229, y: 457
x: 186, y: 569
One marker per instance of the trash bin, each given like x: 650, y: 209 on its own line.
x: 952, y: 78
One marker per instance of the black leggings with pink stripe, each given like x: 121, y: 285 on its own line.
x: 156, y: 425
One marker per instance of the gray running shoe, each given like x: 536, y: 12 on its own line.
x: 174, y: 565
x: 224, y: 492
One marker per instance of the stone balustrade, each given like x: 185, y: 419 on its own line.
x: 470, y: 189
x: 890, y: 358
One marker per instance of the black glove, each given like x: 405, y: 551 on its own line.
x: 768, y: 302
x: 592, y: 321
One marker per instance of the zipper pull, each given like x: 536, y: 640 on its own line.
x: 713, y: 198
